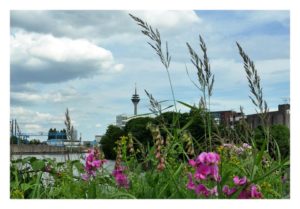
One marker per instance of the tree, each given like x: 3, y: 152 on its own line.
x: 113, y: 133
x: 14, y: 140
x: 138, y: 128
x: 69, y: 127
x: 35, y: 141
x: 278, y: 133
x: 281, y: 134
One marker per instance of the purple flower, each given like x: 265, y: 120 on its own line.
x: 203, y: 190
x: 190, y: 185
x: 120, y: 177
x: 92, y: 163
x: 201, y: 158
x: 212, y: 158
x: 192, y: 163
x: 246, y: 146
x: 238, y: 181
x: 202, y: 171
x: 248, y: 192
x: 228, y: 191
x: 85, y: 176
x: 206, y: 167
x: 254, y: 192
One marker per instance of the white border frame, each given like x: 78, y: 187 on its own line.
x: 7, y: 5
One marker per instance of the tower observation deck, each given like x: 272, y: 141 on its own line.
x: 135, y: 100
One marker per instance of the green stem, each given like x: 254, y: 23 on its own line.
x: 174, y: 101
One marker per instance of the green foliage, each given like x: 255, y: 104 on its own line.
x: 279, y: 134
x: 137, y: 127
x: 35, y: 141
x: 13, y: 140
x: 113, y: 133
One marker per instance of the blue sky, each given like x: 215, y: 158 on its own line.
x: 89, y: 61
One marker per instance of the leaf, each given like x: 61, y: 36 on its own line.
x: 29, y: 160
x: 187, y: 105
x: 38, y: 165
x: 25, y: 186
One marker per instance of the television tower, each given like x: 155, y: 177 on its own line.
x: 135, y: 100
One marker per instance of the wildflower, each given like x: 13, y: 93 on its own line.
x: 119, y: 154
x: 190, y: 185
x: 203, y: 190
x: 254, y: 192
x: 239, y: 150
x: 130, y: 144
x: 226, y: 190
x: 187, y: 137
x: 85, y: 176
x: 92, y: 163
x: 248, y: 192
x: 206, y: 165
x: 159, y: 146
x: 238, y: 181
x: 120, y: 177
x: 246, y: 146
x: 192, y: 163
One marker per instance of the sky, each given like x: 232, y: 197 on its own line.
x: 90, y: 61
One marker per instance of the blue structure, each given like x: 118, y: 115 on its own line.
x: 55, y: 142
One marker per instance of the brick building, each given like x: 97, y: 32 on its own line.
x: 282, y: 117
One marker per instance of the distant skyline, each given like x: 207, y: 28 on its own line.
x: 89, y: 61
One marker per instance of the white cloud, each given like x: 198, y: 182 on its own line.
x: 263, y: 16
x: 33, y: 127
x: 167, y: 19
x: 30, y: 121
x: 231, y: 73
x: 66, y: 94
x: 34, y: 53
x: 98, y: 125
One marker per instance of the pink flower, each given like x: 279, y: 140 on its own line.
x: 92, y: 163
x: 212, y: 158
x: 228, y: 191
x: 202, y: 158
x: 120, y: 177
x: 192, y: 163
x: 254, y: 192
x: 85, y: 176
x: 202, y: 172
x: 190, y: 185
x: 238, y: 181
x: 248, y: 192
x: 246, y: 146
x: 206, y: 167
x: 203, y: 190
x: 214, y: 191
